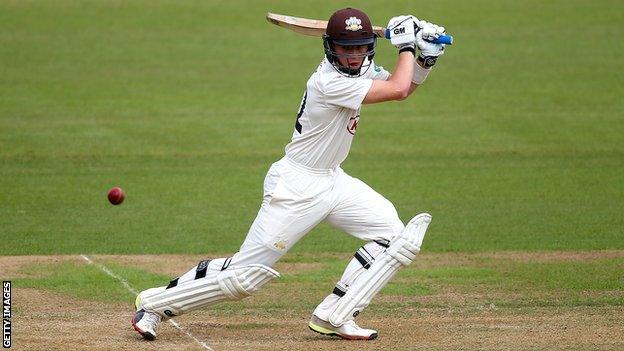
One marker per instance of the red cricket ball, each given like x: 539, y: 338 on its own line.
x: 116, y: 195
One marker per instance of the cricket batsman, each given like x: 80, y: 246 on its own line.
x: 308, y: 186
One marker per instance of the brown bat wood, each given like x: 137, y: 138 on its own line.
x: 306, y: 26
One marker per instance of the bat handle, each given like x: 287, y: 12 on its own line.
x: 443, y: 39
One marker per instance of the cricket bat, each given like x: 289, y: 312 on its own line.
x: 316, y: 28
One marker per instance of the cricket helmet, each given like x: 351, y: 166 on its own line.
x: 349, y: 27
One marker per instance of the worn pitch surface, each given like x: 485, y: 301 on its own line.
x: 449, y: 318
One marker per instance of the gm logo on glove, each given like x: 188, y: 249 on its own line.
x: 400, y: 30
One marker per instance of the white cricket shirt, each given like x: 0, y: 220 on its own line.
x: 329, y: 115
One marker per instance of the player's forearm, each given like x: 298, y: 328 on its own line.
x: 402, y: 76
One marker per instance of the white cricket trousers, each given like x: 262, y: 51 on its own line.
x: 297, y: 198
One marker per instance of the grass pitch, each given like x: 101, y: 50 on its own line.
x: 514, y: 144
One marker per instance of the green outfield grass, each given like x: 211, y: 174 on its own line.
x: 514, y: 143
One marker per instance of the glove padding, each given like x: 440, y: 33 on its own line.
x: 430, y: 31
x: 402, y: 32
x: 429, y: 52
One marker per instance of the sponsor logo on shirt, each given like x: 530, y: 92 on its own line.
x: 353, y: 124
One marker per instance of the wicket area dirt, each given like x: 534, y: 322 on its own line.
x: 44, y: 320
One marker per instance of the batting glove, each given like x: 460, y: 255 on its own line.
x: 402, y: 33
x: 429, y: 52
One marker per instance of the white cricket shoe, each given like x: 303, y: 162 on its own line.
x: 349, y: 330
x: 145, y: 322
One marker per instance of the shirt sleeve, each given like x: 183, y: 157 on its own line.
x: 379, y: 73
x: 347, y: 92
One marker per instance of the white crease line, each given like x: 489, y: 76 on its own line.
x: 202, y: 343
x: 113, y: 275
x: 130, y: 289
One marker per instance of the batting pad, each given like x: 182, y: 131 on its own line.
x: 402, y: 251
x: 234, y: 283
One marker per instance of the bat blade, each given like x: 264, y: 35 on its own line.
x: 306, y: 26
x: 316, y: 28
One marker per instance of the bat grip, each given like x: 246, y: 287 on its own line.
x: 442, y: 39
